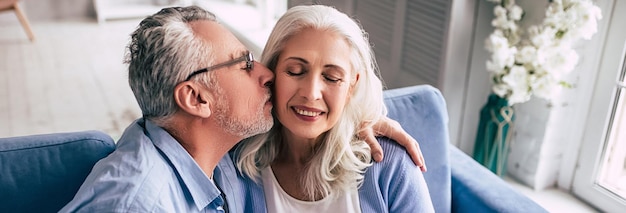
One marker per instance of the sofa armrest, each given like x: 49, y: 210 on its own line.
x: 476, y: 189
x: 41, y: 173
x: 421, y: 110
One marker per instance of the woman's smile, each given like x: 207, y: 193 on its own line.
x: 306, y: 113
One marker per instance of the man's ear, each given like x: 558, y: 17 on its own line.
x: 188, y: 97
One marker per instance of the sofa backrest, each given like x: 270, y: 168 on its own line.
x: 421, y: 110
x: 41, y: 173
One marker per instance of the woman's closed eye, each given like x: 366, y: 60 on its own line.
x: 299, y: 70
x: 295, y: 70
x: 331, y: 78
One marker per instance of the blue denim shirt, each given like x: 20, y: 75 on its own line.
x: 151, y: 172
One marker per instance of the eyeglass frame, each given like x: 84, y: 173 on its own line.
x: 247, y: 57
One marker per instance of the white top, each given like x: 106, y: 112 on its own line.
x: 277, y: 200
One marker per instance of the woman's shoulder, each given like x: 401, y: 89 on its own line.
x: 394, y: 153
x: 395, y: 161
x: 396, y: 180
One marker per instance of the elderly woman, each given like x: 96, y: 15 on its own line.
x: 326, y: 85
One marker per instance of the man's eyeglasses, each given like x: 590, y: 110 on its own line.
x: 247, y: 57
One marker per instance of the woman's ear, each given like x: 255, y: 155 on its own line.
x: 188, y: 97
x: 352, y: 86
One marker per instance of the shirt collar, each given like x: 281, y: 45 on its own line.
x: 203, y: 191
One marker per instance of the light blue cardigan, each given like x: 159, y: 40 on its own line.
x: 394, y: 185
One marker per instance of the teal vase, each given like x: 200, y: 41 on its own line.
x: 493, y: 138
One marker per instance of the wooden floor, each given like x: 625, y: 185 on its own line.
x: 70, y: 79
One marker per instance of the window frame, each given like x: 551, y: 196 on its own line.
x: 601, y: 105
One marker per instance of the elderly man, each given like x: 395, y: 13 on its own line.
x: 200, y: 92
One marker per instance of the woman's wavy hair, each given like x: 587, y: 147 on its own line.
x: 162, y: 52
x: 340, y: 158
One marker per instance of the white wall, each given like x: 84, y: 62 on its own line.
x: 478, y: 85
x: 457, y: 59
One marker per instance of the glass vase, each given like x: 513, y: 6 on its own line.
x: 494, y: 135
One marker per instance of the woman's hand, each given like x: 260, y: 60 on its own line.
x: 392, y: 129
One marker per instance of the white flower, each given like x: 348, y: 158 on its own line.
x: 542, y: 36
x: 503, y: 59
x: 496, y: 42
x: 588, y: 14
x: 495, y: 68
x: 528, y: 54
x: 501, y: 89
x: 560, y: 61
x: 516, y: 13
x: 503, y: 54
x: 499, y: 12
x: 519, y: 96
x: 517, y: 77
x: 520, y: 68
x: 518, y: 80
x: 544, y: 87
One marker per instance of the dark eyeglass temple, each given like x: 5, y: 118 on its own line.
x: 248, y: 58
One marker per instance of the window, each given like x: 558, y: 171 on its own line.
x: 612, y: 175
x: 600, y: 178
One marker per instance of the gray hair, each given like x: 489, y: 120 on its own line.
x: 162, y: 52
x: 340, y: 158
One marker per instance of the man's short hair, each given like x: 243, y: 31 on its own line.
x: 163, y: 50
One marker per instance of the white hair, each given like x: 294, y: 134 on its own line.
x: 339, y: 160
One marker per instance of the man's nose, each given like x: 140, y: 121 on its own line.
x: 266, y: 76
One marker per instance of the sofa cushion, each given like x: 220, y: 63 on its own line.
x: 421, y: 110
x: 41, y: 173
x: 475, y: 188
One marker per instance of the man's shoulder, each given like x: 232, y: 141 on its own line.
x: 133, y: 177
x: 115, y: 185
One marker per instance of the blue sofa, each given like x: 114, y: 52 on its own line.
x: 41, y: 173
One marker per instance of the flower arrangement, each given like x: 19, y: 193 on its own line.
x: 521, y: 68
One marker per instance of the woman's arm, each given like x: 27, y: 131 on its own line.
x: 408, y: 191
x: 395, y: 184
x: 392, y: 129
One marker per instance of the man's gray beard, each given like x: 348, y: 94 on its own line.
x: 240, y: 126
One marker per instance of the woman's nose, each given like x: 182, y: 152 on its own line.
x: 311, y: 89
